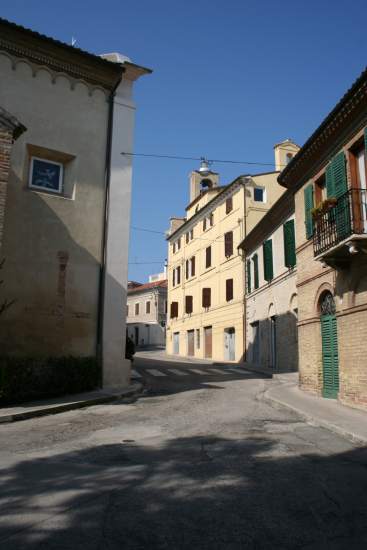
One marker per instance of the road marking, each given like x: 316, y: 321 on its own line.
x: 237, y: 371
x: 155, y: 372
x: 178, y: 372
x: 219, y: 371
x: 135, y: 374
x: 198, y: 371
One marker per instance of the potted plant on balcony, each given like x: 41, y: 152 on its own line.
x: 323, y: 207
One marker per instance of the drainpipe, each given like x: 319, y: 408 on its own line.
x: 99, y: 350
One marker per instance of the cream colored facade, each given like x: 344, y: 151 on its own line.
x: 217, y: 331
x: 271, y: 306
x: 146, y: 313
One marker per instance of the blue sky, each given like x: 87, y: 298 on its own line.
x: 231, y: 78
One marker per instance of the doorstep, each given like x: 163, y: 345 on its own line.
x: 67, y: 403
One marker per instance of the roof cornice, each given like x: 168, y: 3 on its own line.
x: 348, y: 115
x: 42, y: 50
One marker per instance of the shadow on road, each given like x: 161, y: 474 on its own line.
x: 198, y: 492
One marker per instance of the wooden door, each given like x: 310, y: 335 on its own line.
x: 208, y: 342
x: 190, y: 342
x: 176, y: 343
x: 229, y: 344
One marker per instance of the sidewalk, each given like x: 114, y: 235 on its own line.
x: 66, y: 403
x: 328, y: 413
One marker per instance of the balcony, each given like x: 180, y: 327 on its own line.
x: 340, y: 229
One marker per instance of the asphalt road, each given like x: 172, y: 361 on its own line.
x: 199, y: 461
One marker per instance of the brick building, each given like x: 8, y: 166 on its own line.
x: 328, y: 179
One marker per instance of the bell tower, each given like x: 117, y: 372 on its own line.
x: 202, y: 179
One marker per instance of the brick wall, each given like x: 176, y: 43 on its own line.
x: 6, y: 140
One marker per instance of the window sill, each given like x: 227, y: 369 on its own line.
x: 51, y: 194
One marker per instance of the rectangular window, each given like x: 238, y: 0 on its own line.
x: 192, y: 261
x: 174, y: 247
x: 187, y: 269
x: 259, y: 194
x: 211, y: 219
x: 208, y: 257
x: 178, y: 274
x: 248, y: 274
x: 228, y: 244
x: 198, y: 338
x: 46, y: 175
x: 136, y: 309
x: 229, y: 205
x: 147, y: 307
x: 309, y: 204
x: 188, y: 304
x: 191, y: 234
x: 174, y: 310
x: 127, y: 311
x: 256, y: 271
x: 229, y: 290
x: 187, y: 237
x: 268, y: 260
x: 173, y: 277
x: 204, y: 224
x: 289, y: 244
x: 206, y: 298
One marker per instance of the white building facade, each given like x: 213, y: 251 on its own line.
x: 146, y: 314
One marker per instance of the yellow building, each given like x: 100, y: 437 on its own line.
x: 205, y: 270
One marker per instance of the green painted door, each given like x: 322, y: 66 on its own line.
x: 330, y: 358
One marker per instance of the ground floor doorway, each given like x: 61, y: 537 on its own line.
x: 208, y: 342
x: 229, y: 344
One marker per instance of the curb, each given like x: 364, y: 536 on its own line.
x: 132, y: 391
x: 351, y: 436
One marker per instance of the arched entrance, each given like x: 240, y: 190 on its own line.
x: 330, y: 356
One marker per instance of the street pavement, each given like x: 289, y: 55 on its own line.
x: 198, y: 461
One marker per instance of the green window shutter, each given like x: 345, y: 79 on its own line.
x: 308, y: 196
x: 289, y: 244
x: 256, y: 271
x: 330, y: 187
x: 330, y: 358
x: 268, y: 260
x: 248, y: 276
x: 339, y: 175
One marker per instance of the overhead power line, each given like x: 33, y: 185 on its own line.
x: 177, y: 157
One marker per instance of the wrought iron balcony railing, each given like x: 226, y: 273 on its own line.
x: 347, y: 217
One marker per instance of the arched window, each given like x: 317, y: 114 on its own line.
x: 288, y: 157
x: 327, y: 304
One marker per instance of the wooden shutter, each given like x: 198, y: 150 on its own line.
x: 174, y: 309
x: 187, y: 272
x: 229, y: 289
x: 289, y: 244
x: 308, y: 196
x: 330, y: 359
x: 248, y: 273
x: 178, y: 274
x: 256, y: 271
x: 188, y: 304
x: 339, y: 174
x: 228, y: 244
x: 211, y: 219
x: 173, y: 277
x: 229, y: 205
x: 206, y: 297
x: 208, y: 256
x: 268, y: 260
x: 193, y: 266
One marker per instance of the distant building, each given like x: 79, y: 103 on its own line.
x: 65, y: 195
x: 146, y: 313
x: 328, y: 179
x: 206, y: 312
x: 271, y: 292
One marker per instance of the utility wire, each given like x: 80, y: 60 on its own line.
x: 163, y: 233
x: 176, y: 157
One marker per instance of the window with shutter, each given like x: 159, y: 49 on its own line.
x: 289, y: 244
x: 191, y: 234
x: 206, y: 301
x: 339, y: 174
x: 229, y: 205
x: 147, y: 307
x: 178, y: 274
x: 136, y: 309
x: 211, y: 219
x: 268, y: 260
x: 173, y: 277
x: 204, y: 224
x: 179, y: 244
x: 256, y: 271
x: 187, y: 237
x: 248, y: 274
x: 187, y: 269
x: 208, y: 256
x: 188, y: 304
x: 229, y: 290
x: 308, y: 197
x: 193, y: 266
x: 174, y: 310
x: 228, y: 244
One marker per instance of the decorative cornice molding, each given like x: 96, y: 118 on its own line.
x: 58, y: 57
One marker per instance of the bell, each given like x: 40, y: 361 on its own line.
x: 204, y: 167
